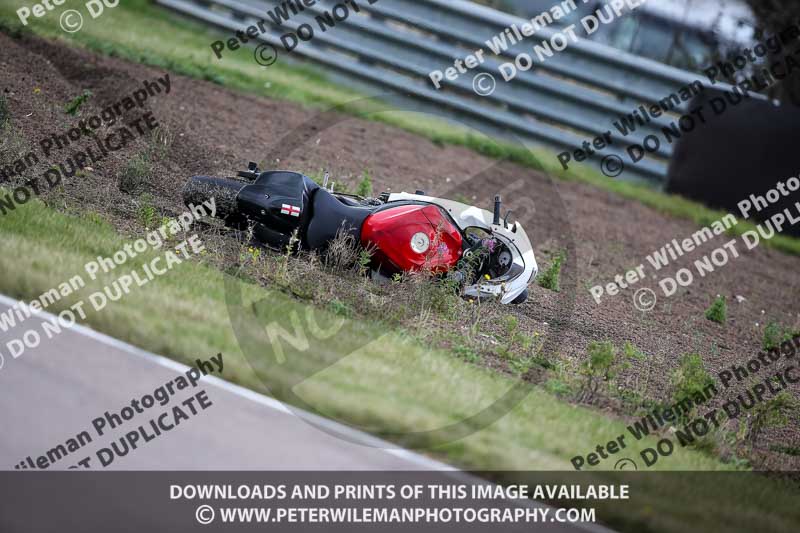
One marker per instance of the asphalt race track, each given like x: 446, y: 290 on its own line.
x: 55, y: 391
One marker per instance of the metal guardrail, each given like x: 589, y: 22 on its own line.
x: 394, y: 44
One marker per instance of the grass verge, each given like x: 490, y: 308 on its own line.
x: 392, y: 385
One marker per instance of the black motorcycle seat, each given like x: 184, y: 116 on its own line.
x: 329, y: 216
x: 278, y: 199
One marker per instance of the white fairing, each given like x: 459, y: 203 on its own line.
x: 523, y: 269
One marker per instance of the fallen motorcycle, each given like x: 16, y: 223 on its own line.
x: 487, y: 256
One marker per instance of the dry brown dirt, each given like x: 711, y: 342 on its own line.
x: 216, y: 131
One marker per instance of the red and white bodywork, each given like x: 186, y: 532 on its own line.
x: 413, y: 237
x: 426, y: 232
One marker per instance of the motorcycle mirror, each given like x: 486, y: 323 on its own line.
x: 508, y: 214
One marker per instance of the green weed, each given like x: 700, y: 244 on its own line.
x: 550, y: 278
x: 364, y: 261
x: 161, y: 139
x: 772, y: 335
x: 718, y: 311
x: 250, y: 255
x: 603, y: 366
x: 690, y: 379
x: 788, y: 450
x: 442, y: 297
x: 146, y: 212
x: 95, y: 218
x: 775, y: 334
x: 597, y: 370
x: 467, y: 353
x: 772, y: 413
x: 135, y: 175
x: 630, y: 351
x: 340, y: 308
x: 558, y: 387
x: 364, y: 187
x: 74, y: 105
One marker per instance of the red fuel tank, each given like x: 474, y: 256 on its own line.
x: 412, y: 237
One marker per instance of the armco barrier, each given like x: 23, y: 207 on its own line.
x: 394, y: 44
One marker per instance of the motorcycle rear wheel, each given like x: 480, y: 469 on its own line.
x: 201, y: 189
